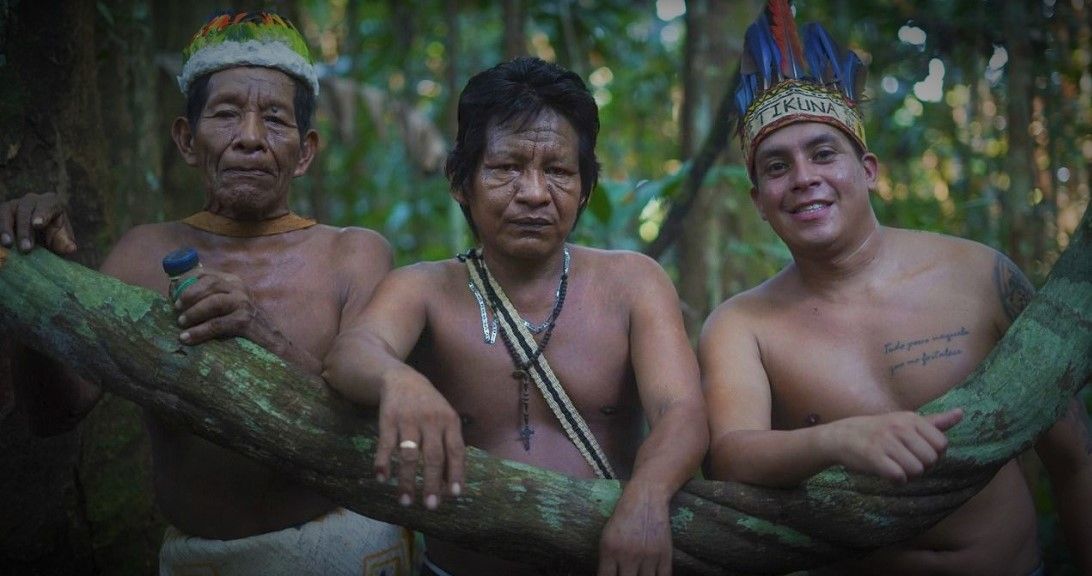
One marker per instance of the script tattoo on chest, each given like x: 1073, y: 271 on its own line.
x: 920, y: 352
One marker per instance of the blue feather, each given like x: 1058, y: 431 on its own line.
x: 746, y: 93
x: 822, y: 53
x: 744, y: 96
x: 759, y: 44
x: 854, y: 70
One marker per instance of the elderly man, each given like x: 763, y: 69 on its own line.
x: 268, y: 275
x: 825, y: 363
x: 529, y: 347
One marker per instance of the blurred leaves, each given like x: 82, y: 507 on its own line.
x: 944, y: 166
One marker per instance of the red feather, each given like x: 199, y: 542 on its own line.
x: 783, y: 28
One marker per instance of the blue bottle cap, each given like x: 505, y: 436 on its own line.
x: 180, y: 261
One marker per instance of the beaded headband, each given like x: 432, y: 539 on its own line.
x: 782, y: 82
x: 247, y: 39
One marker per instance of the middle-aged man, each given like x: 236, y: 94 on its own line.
x: 269, y: 275
x: 528, y: 347
x: 825, y: 363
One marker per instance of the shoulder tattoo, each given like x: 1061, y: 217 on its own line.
x: 1013, y: 287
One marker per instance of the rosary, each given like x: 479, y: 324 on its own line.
x: 522, y: 372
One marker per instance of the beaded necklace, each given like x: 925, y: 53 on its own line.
x: 522, y: 372
x: 489, y: 329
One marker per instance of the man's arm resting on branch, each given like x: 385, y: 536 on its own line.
x: 896, y: 446
x: 638, y: 536
x: 367, y: 365
x: 669, y: 386
x: 1066, y: 452
x: 743, y: 448
x: 373, y: 343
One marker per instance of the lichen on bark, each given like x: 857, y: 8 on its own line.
x: 237, y: 396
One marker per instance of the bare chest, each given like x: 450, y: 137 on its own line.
x: 588, y: 351
x: 298, y: 294
x: 827, y: 362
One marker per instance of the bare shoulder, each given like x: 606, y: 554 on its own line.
x: 159, y: 233
x: 136, y: 257
x: 747, y: 310
x: 950, y: 252
x: 971, y: 259
x: 426, y: 279
x: 973, y: 267
x: 358, y: 250
x: 624, y: 271
x: 363, y: 241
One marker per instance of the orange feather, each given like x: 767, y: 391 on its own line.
x: 783, y: 28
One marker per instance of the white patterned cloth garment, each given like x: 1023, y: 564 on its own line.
x: 339, y: 543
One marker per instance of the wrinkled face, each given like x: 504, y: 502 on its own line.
x: 812, y: 187
x: 246, y: 142
x: 526, y: 194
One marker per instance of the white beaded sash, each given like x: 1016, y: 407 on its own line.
x: 540, y: 372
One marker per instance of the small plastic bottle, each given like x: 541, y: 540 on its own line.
x: 182, y: 267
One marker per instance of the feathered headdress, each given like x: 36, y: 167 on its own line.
x: 260, y: 38
x: 782, y: 82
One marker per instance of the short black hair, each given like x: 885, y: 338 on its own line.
x: 518, y: 91
x: 303, y: 102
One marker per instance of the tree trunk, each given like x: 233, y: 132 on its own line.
x: 51, y: 140
x: 174, y: 23
x: 243, y: 397
x: 515, y: 22
x: 713, y: 28
x: 720, y: 134
x: 458, y: 230
x: 1020, y: 164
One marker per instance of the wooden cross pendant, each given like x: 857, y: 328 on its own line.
x: 525, y: 434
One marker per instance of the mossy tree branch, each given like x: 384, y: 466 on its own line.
x: 241, y: 396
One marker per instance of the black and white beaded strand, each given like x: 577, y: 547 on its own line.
x: 489, y: 329
x: 522, y: 372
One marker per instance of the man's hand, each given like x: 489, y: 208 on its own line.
x: 39, y: 218
x: 416, y: 420
x: 898, y: 446
x: 637, y: 538
x: 219, y: 305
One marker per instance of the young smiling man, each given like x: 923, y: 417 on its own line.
x: 825, y: 363
x: 529, y: 347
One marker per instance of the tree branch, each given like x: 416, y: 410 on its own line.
x: 241, y: 396
x: 720, y: 134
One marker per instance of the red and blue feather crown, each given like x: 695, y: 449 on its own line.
x: 783, y: 81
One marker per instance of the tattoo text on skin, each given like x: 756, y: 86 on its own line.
x: 924, y: 358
